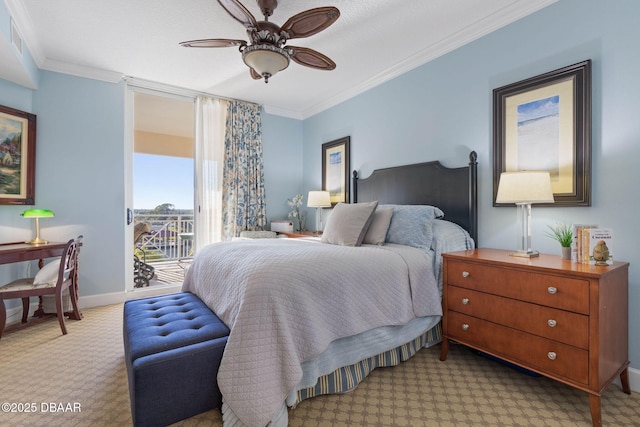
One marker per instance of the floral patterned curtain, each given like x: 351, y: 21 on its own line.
x: 243, y: 196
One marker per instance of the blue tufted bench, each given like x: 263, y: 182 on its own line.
x: 173, y: 345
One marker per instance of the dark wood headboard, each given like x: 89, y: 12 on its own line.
x: 454, y: 190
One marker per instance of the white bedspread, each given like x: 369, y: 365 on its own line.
x: 285, y: 300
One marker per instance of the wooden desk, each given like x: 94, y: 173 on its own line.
x: 19, y: 252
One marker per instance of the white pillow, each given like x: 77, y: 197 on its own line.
x: 48, y: 274
x: 377, y: 231
x: 348, y: 223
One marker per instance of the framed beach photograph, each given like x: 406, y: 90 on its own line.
x: 544, y: 123
x: 17, y: 157
x: 335, y: 169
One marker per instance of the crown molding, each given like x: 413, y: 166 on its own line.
x: 82, y: 71
x: 473, y: 32
x: 269, y: 109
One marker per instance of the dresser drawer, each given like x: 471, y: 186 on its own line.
x: 564, y: 326
x: 528, y: 350
x: 561, y: 292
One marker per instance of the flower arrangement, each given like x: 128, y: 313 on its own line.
x: 296, y: 214
x: 562, y: 233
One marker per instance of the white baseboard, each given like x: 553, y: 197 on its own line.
x: 634, y: 380
x: 14, y: 314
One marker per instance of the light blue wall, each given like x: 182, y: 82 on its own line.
x: 80, y: 172
x: 443, y: 110
x: 15, y: 96
x: 282, y: 151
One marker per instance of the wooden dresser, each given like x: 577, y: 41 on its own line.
x: 567, y: 321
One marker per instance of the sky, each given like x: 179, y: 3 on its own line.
x: 162, y: 179
x: 538, y: 109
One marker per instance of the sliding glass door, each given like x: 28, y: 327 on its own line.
x: 162, y: 188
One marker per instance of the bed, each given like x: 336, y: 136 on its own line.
x: 310, y: 318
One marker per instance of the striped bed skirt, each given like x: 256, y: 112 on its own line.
x: 347, y: 378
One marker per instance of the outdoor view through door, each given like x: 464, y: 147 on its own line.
x: 163, y: 199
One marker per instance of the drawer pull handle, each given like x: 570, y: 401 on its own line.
x: 465, y: 326
x: 551, y: 355
x: 552, y: 290
x: 552, y: 323
x: 465, y: 274
x: 465, y: 301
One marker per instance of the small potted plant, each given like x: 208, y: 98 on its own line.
x: 295, y: 204
x: 563, y: 234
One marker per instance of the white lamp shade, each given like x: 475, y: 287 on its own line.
x: 319, y: 199
x: 525, y: 187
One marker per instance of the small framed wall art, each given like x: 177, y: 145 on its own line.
x: 544, y: 123
x: 335, y: 169
x: 17, y: 157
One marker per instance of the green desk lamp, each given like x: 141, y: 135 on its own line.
x: 37, y: 214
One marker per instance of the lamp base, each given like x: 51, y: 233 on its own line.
x: 37, y: 241
x: 525, y: 254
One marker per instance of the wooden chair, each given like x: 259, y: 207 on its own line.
x: 52, y: 279
x: 47, y: 303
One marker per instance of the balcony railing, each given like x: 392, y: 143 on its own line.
x: 169, y: 243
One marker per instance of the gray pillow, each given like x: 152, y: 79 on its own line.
x: 377, y: 232
x: 411, y: 225
x: 348, y: 223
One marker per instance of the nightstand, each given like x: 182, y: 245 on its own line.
x: 303, y: 233
x: 567, y: 321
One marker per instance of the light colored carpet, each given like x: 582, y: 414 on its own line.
x: 86, y: 368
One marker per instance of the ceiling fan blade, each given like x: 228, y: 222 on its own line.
x: 239, y: 13
x: 213, y: 43
x: 310, y: 22
x: 310, y: 58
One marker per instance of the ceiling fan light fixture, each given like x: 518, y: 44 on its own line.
x: 265, y: 59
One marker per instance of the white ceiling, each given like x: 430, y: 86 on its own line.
x: 372, y: 42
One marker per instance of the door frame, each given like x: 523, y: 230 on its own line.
x: 151, y: 88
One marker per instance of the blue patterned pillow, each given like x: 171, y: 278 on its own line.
x: 411, y: 225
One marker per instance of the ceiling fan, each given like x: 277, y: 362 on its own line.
x: 267, y: 52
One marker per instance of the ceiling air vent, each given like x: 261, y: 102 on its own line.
x: 16, y: 40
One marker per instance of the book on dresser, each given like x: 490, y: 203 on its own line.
x: 599, y: 237
x: 580, y: 248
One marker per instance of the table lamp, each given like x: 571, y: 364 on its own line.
x: 37, y: 214
x: 319, y: 200
x: 523, y: 189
